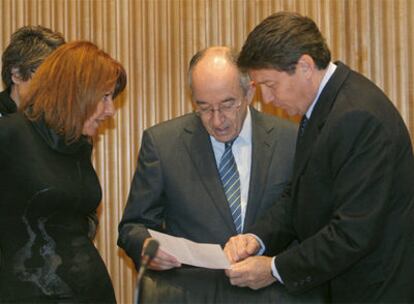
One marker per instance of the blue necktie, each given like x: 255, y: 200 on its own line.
x: 231, y: 183
x: 302, y: 125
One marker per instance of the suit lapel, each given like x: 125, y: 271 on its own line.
x: 200, y: 151
x: 261, y: 155
x: 318, y: 118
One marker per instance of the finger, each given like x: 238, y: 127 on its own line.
x: 159, y: 264
x: 252, y: 246
x: 237, y: 276
x: 156, y: 265
x: 163, y: 261
x: 235, y: 271
x: 238, y: 282
x: 241, y: 246
x: 231, y: 251
x: 255, y: 272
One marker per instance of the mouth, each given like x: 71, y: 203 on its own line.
x: 221, y: 131
x: 99, y: 121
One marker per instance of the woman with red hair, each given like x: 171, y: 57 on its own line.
x: 48, y: 185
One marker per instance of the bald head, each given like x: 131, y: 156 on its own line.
x: 214, y: 61
x: 220, y: 93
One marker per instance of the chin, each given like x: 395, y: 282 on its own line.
x: 89, y: 133
x: 292, y: 112
x: 224, y: 139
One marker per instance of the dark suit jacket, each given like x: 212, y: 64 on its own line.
x: 177, y: 189
x: 351, y: 204
x: 7, y: 105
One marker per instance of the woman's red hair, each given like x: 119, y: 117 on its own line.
x: 68, y: 85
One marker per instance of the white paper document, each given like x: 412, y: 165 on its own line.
x: 191, y: 253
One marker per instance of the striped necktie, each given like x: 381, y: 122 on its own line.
x: 231, y: 183
x: 302, y: 126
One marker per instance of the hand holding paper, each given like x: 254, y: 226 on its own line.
x: 191, y: 253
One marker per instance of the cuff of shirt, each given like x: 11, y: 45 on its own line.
x: 275, y: 273
x: 262, y: 246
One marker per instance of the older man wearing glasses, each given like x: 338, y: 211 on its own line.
x: 206, y: 176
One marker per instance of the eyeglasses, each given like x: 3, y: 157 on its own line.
x: 227, y: 107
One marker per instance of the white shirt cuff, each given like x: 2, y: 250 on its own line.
x: 275, y: 273
x: 262, y: 246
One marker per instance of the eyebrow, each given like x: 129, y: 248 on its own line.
x: 201, y: 102
x: 265, y: 82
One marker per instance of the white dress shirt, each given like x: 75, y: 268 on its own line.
x: 242, y: 151
x: 329, y: 72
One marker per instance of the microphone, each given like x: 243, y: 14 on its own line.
x: 149, y: 252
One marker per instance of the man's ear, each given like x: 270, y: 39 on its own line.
x: 251, y: 92
x: 15, y: 76
x: 306, y: 65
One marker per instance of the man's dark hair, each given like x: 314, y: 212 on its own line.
x: 27, y: 49
x: 280, y: 40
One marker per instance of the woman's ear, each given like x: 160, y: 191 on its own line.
x: 15, y: 76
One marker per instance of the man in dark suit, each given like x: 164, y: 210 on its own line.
x: 177, y: 187
x: 351, y: 203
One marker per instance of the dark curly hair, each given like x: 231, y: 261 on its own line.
x: 280, y: 40
x: 28, y: 47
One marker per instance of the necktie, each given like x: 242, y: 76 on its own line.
x: 302, y: 125
x: 231, y: 183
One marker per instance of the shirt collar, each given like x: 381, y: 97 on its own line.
x: 245, y: 135
x: 329, y: 72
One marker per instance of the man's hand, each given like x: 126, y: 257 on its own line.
x: 162, y: 260
x: 254, y: 272
x: 240, y: 247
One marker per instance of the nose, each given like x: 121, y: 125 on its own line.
x: 217, y: 118
x: 109, y: 108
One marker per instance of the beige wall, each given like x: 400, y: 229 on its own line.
x: 155, y: 39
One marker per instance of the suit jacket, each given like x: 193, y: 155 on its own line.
x: 351, y: 204
x: 177, y: 189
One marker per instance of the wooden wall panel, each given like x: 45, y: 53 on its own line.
x: 155, y: 39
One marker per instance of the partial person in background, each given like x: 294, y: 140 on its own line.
x: 28, y: 47
x: 48, y: 185
x: 179, y: 189
x: 351, y: 204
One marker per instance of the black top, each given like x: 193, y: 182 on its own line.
x: 47, y: 190
x: 7, y: 105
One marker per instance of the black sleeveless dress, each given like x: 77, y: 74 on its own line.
x: 47, y: 191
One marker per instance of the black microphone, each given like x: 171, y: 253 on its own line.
x: 149, y: 252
